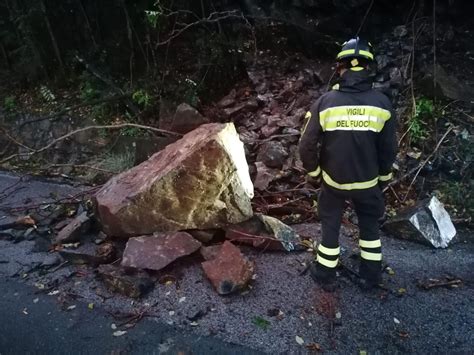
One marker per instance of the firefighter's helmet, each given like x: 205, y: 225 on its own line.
x: 356, y: 48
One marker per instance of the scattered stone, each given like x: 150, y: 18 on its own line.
x: 400, y: 31
x: 204, y: 236
x: 230, y: 271
x: 51, y: 260
x: 248, y: 106
x: 186, y: 119
x: 199, y: 182
x: 264, y: 176
x: 210, y: 252
x: 132, y: 284
x: 272, y: 154
x: 447, y: 86
x: 427, y: 222
x: 73, y: 231
x: 196, y: 313
x: 157, y: 251
x: 264, y: 232
x: 396, y: 78
x: 87, y: 254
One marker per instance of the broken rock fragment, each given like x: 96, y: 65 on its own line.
x: 199, y: 182
x: 72, y: 232
x: 157, y: 251
x: 132, y: 284
x: 90, y: 254
x: 427, y: 222
x: 230, y: 271
x: 265, y: 232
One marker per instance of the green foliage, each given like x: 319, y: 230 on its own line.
x: 9, y: 103
x: 131, y: 131
x: 424, y: 112
x: 118, y: 162
x: 88, y: 91
x: 459, y: 196
x: 142, y: 98
x: 261, y: 322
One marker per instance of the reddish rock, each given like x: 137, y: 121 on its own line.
x: 264, y: 176
x: 157, y: 251
x: 210, y: 252
x: 230, y: 271
x: 199, y: 182
x: 73, y: 231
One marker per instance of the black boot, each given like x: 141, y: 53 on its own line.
x: 324, y: 276
x: 370, y: 274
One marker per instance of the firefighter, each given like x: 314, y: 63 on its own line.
x: 349, y: 140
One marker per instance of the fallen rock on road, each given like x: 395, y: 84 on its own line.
x: 199, y: 182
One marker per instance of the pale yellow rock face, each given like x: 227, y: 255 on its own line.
x: 199, y: 182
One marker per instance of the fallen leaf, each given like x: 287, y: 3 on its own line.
x: 71, y: 307
x: 119, y: 333
x: 299, y: 340
x: 36, y: 300
x: 182, y: 299
x: 313, y: 347
x: 90, y: 306
x: 338, y: 315
x: 396, y: 321
x: 362, y: 352
x: 402, y: 291
x: 403, y: 334
x: 25, y: 311
x: 171, y: 313
x: 194, y: 324
x: 52, y: 293
x: 113, y: 326
x: 40, y: 286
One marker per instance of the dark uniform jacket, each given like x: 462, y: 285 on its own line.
x: 349, y: 136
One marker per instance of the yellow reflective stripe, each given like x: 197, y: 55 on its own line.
x: 385, y: 177
x: 352, y: 51
x: 351, y: 186
x: 326, y: 262
x: 367, y: 54
x: 329, y: 251
x: 370, y: 243
x: 357, y: 68
x: 315, y: 172
x: 354, y: 112
x: 370, y: 256
x: 347, y: 51
x: 307, y: 117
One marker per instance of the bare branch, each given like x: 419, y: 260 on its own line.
x: 70, y: 134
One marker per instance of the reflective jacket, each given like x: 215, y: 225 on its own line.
x: 349, y: 136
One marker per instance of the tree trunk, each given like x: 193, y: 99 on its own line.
x: 51, y: 35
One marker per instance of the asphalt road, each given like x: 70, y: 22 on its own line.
x: 33, y: 323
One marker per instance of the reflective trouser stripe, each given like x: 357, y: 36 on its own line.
x: 370, y: 243
x: 329, y: 251
x: 351, y: 186
x: 385, y: 177
x: 326, y: 262
x: 315, y: 173
x: 370, y: 256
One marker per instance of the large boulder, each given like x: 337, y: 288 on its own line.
x: 199, y: 182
